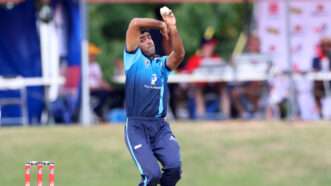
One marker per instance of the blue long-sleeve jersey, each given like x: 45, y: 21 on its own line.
x: 146, y: 87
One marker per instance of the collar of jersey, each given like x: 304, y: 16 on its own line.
x: 149, y: 58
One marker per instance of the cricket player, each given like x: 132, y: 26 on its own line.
x: 147, y: 135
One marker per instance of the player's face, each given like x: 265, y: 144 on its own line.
x: 146, y: 44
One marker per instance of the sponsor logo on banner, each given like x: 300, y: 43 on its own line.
x: 273, y: 30
x: 297, y: 29
x: 273, y: 8
x: 296, y: 10
x: 319, y: 10
x: 321, y: 28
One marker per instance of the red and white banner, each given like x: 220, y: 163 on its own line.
x: 309, y: 20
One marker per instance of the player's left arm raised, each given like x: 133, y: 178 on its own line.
x: 178, y: 52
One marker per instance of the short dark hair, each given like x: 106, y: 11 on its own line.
x: 145, y: 30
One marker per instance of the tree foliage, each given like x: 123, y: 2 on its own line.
x: 108, y: 23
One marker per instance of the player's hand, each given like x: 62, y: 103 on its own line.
x: 168, y: 16
x: 164, y: 30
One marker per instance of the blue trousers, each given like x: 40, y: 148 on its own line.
x: 150, y: 141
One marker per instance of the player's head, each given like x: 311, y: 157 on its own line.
x: 146, y: 44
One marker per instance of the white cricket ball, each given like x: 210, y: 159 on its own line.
x: 165, y: 11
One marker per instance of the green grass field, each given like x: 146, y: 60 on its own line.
x: 214, y: 154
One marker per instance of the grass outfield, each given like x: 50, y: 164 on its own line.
x: 244, y: 154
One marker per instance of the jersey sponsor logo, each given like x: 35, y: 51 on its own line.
x: 154, y: 79
x: 153, y: 82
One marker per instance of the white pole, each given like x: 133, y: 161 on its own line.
x: 292, y: 105
x: 85, y: 114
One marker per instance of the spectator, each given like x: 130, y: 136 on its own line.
x: 322, y: 63
x: 247, y: 97
x: 117, y: 91
x: 203, y: 93
x: 99, y: 88
x: 278, y: 100
x: 65, y: 108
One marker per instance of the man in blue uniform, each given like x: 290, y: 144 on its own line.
x: 147, y: 135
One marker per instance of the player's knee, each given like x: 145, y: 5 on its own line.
x: 174, y: 173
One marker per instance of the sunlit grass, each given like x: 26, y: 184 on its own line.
x: 214, y: 154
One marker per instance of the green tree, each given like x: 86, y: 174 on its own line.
x: 108, y: 23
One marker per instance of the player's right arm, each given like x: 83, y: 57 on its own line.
x: 136, y: 24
